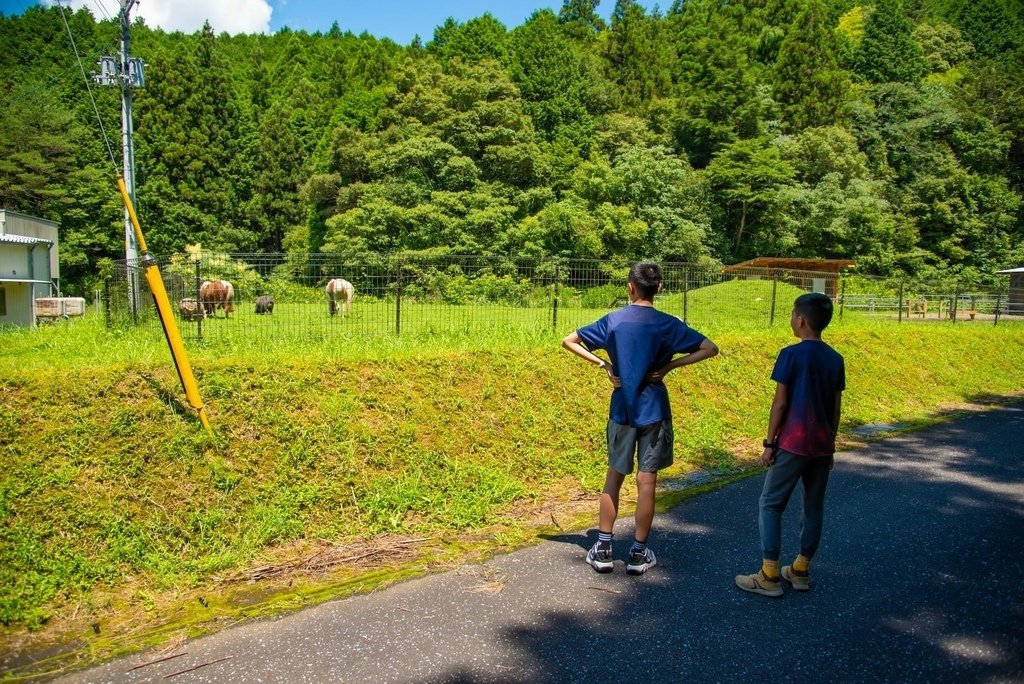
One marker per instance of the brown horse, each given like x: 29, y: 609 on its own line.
x: 339, y: 289
x: 214, y: 293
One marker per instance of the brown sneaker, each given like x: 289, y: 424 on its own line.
x: 759, y: 583
x: 801, y: 581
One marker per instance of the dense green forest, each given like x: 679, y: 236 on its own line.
x: 884, y: 131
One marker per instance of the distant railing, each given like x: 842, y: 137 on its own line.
x: 282, y: 295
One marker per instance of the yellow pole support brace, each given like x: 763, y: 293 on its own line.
x: 163, y: 307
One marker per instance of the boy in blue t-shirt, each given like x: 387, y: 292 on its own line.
x: 801, y: 444
x: 641, y: 343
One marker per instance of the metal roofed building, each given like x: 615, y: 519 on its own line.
x: 1015, y: 296
x: 28, y: 265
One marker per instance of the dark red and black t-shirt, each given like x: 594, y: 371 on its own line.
x: 813, y: 373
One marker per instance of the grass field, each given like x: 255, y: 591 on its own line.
x: 121, y: 513
x: 376, y: 327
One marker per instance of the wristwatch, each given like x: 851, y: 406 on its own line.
x: 767, y: 445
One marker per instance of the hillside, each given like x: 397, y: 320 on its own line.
x: 121, y: 513
x: 885, y: 131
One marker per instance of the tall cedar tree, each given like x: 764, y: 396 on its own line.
x: 809, y: 85
x: 720, y: 100
x: 994, y: 27
x: 581, y: 19
x: 888, y: 52
x: 639, y: 60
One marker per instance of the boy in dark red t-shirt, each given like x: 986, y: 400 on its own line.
x: 801, y: 444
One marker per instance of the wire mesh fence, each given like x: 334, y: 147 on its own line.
x: 280, y: 296
x: 909, y: 301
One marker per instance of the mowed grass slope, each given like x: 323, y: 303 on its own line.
x: 115, y: 501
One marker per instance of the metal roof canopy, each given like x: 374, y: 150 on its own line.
x: 1013, y: 270
x: 794, y: 264
x: 10, y: 239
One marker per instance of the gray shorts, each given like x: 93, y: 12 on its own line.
x: 652, y: 445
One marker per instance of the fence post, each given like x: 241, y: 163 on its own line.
x: 899, y: 317
x: 106, y: 304
x: 956, y: 299
x: 775, y: 285
x: 398, y: 299
x: 999, y: 303
x: 200, y: 307
x: 133, y: 293
x: 842, y: 295
x: 686, y: 293
x: 554, y: 304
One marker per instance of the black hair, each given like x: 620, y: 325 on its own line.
x: 646, y: 277
x: 816, y: 308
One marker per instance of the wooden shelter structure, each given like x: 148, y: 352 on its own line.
x: 813, y: 275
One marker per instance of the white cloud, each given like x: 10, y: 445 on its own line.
x: 232, y: 16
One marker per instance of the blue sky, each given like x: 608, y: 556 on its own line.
x: 399, y: 20
x: 402, y: 19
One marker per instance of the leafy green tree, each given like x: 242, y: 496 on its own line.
x: 569, y: 229
x: 669, y: 197
x: 650, y: 202
x: 943, y: 46
x: 562, y: 136
x: 995, y: 88
x: 818, y: 152
x: 833, y: 218
x: 746, y: 181
x: 35, y: 154
x: 279, y: 171
x: 940, y: 163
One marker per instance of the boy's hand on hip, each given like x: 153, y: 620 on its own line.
x: 768, y: 457
x: 612, y: 378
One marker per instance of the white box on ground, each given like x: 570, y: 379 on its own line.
x: 59, y: 307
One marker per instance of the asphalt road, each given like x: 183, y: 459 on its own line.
x: 920, y: 578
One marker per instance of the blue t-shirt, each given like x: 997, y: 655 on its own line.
x: 639, y: 340
x: 813, y: 373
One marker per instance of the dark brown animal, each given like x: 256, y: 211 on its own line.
x: 214, y: 293
x: 339, y: 290
x: 264, y: 304
x: 190, y: 309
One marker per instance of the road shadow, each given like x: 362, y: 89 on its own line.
x: 920, y: 578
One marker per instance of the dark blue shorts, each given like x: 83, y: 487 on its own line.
x: 651, y: 445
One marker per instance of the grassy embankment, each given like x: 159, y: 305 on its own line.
x: 122, y: 518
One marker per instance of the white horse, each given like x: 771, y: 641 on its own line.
x: 340, y: 289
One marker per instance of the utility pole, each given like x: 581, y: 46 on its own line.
x: 126, y: 73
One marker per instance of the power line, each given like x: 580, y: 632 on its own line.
x: 103, y: 9
x: 11, y: 99
x: 18, y: 96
